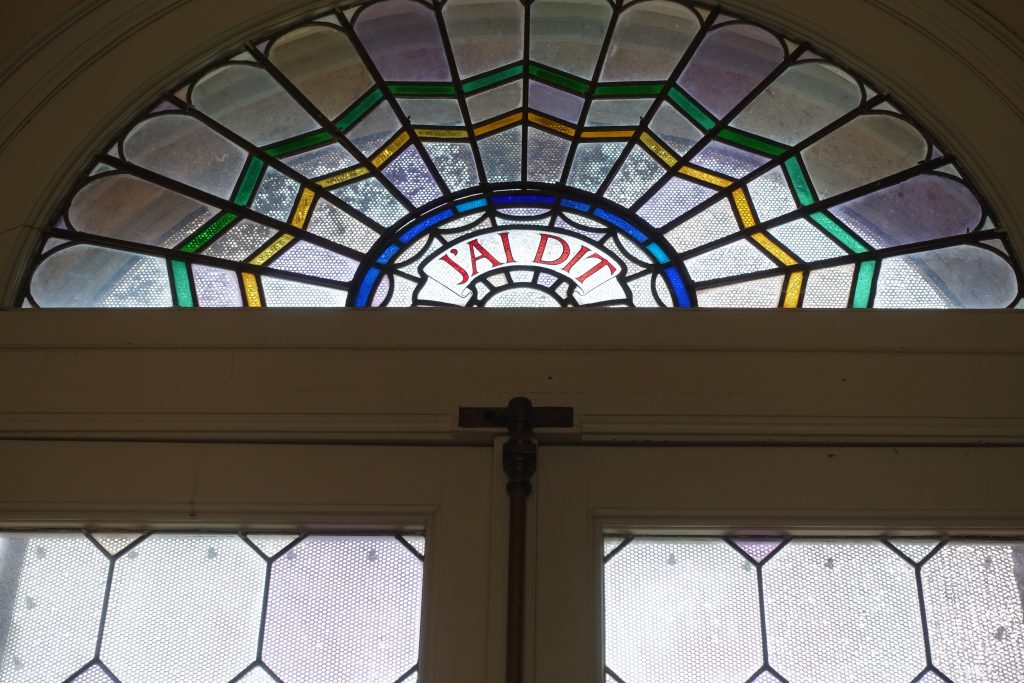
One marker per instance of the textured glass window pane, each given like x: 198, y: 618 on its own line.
x: 310, y: 259
x: 321, y: 161
x: 555, y: 102
x: 403, y: 40
x: 128, y: 208
x: 500, y: 154
x: 649, y: 39
x: 409, y: 174
x: 675, y: 129
x: 192, y: 608
x: 372, y: 132
x: 839, y: 610
x: 181, y: 148
x: 568, y: 34
x: 100, y: 278
x: 432, y: 112
x: 802, y: 100
x: 734, y: 258
x: 545, y: 157
x: 324, y: 65
x: 332, y: 223
x: 184, y: 608
x: 717, y: 221
x: 922, y: 208
x: 291, y: 294
x: 972, y: 595
x: 871, y: 147
x: 673, y: 199
x: 763, y: 293
x: 216, y: 287
x: 681, y: 610
x: 842, y: 611
x: 51, y: 598
x: 455, y: 162
x: 591, y: 163
x: 636, y: 175
x: 932, y: 279
x: 317, y: 633
x: 250, y: 102
x: 371, y: 198
x: 485, y: 34
x: 240, y: 241
x: 495, y: 101
x: 729, y: 63
x: 618, y: 112
x: 276, y: 195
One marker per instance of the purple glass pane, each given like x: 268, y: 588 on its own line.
x: 309, y: 259
x: 216, y: 287
x: 403, y: 41
x: 555, y: 102
x: 922, y: 208
x: 410, y: 175
x: 729, y: 63
x: 675, y: 198
x: 731, y: 161
x: 757, y: 548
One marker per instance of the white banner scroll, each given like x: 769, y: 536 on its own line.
x: 460, y: 263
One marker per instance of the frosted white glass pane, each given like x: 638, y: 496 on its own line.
x: 834, y: 610
x: 184, y: 608
x: 344, y: 609
x: 972, y: 595
x: 842, y: 612
x: 51, y: 599
x: 681, y: 610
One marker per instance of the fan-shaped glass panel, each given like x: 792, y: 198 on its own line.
x: 502, y: 154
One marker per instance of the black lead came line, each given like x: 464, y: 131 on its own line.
x: 721, y: 124
x: 644, y: 124
x: 227, y: 206
x: 271, y: 161
x: 328, y: 126
x: 779, y: 161
x: 390, y: 98
x: 588, y: 96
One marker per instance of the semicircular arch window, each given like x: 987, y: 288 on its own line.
x: 494, y: 153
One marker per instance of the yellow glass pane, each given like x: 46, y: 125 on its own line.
x: 794, y: 284
x: 391, y: 149
x: 342, y: 177
x: 666, y: 156
x: 742, y: 204
x: 252, y: 290
x: 275, y: 246
x: 607, y: 134
x: 774, y: 249
x: 552, y: 124
x: 701, y: 174
x: 441, y: 133
x: 500, y: 123
x: 302, y: 208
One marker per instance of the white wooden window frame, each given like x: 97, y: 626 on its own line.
x: 201, y: 418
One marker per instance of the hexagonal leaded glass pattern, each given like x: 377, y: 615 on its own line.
x: 752, y: 610
x: 502, y: 153
x: 209, y: 608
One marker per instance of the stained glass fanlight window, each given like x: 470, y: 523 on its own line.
x: 652, y: 153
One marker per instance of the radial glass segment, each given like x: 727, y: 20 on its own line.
x: 499, y: 153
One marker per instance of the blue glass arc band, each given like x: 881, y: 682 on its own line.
x: 416, y: 229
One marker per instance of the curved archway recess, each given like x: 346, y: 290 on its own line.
x: 676, y: 151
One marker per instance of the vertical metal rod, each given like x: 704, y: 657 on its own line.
x: 519, y: 458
